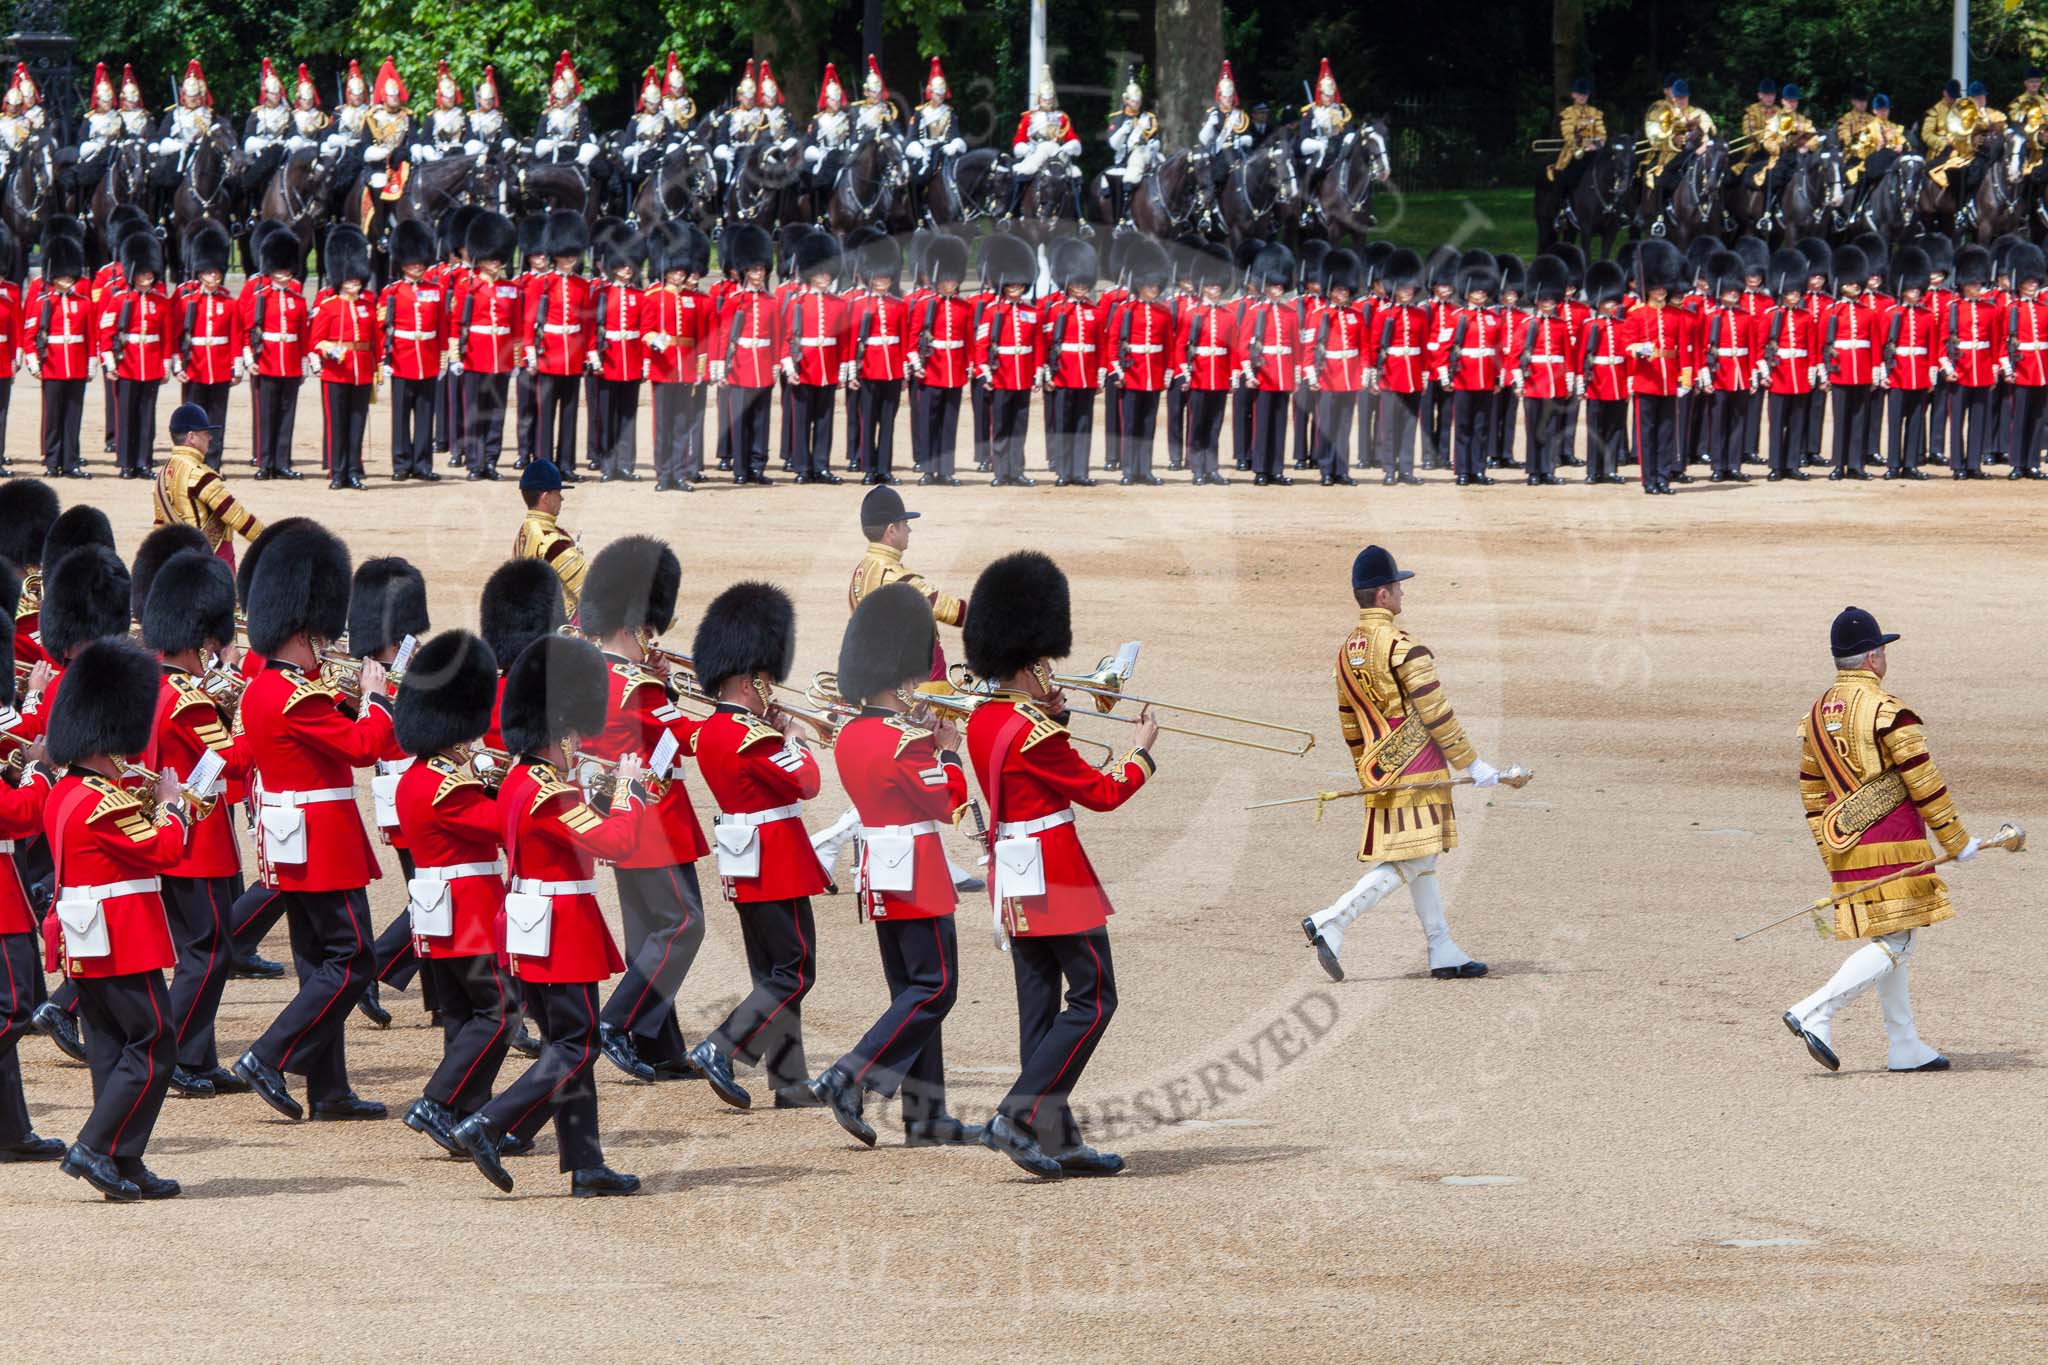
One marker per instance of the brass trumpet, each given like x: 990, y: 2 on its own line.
x: 490, y: 766
x: 341, y: 671
x: 1105, y: 685
x: 146, y: 793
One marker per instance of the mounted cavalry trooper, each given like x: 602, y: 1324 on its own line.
x: 1756, y: 116
x: 309, y: 120
x: 104, y: 126
x: 264, y: 131
x: 774, y: 117
x: 188, y: 121
x: 830, y: 132
x: 937, y: 135
x: 740, y: 125
x: 1043, y: 132
x: 388, y: 126
x: 1226, y: 131
x: 1670, y: 127
x: 2028, y: 113
x: 1968, y: 120
x: 15, y: 129
x: 1134, y: 141
x: 487, y: 130
x: 448, y: 125
x: 1788, y: 131
x: 648, y: 130
x: 675, y: 99
x: 874, y: 113
x: 1870, y: 143
x: 1581, y: 130
x: 564, y: 133
x: 1323, y: 124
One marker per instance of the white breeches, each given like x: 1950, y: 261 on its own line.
x: 1034, y: 159
x: 1880, y: 963
x: 1135, y: 165
x: 1419, y: 875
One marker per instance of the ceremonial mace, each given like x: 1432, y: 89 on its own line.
x: 2010, y: 837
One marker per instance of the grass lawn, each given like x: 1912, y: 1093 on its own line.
x: 1498, y: 220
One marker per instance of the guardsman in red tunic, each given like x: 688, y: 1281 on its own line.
x: 316, y: 859
x: 1658, y: 339
x: 1911, y: 366
x: 678, y: 320
x: 618, y: 352
x: 211, y: 337
x: 1203, y: 345
x: 558, y: 329
x: 1337, y: 360
x: 1269, y: 357
x: 413, y: 318
x: 744, y: 360
x: 907, y: 783
x: 1139, y: 350
x: 760, y: 772
x: 941, y: 358
x: 277, y: 321
x: 1850, y: 335
x: 111, y: 849
x: 879, y: 331
x: 629, y: 599
x: 188, y: 618
x: 141, y: 333
x: 21, y: 966
x: 1473, y: 372
x: 554, y: 928
x: 11, y: 339
x: 1050, y: 910
x: 1604, y: 380
x: 456, y: 884
x: 62, y: 341
x: 484, y: 341
x: 1728, y: 368
x: 814, y: 356
x: 2026, y: 360
x: 1009, y: 355
x: 1788, y: 351
x: 1973, y: 345
x: 1542, y: 368
x: 347, y: 338
x: 1075, y: 354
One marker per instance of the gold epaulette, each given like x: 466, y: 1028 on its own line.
x: 757, y: 731
x: 190, y: 694
x: 1043, y: 727
x: 312, y: 687
x: 550, y: 787
x: 122, y: 805
x: 635, y: 678
x: 454, y: 777
x: 910, y: 731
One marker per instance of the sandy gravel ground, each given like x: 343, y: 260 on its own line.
x: 1678, y: 1180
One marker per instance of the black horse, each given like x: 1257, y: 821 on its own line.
x: 1596, y: 209
x: 684, y: 185
x: 1262, y: 196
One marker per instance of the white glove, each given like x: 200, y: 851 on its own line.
x: 240, y: 369
x: 92, y: 369
x: 659, y: 341
x: 379, y: 180
x: 473, y: 147
x: 1483, y: 774
x: 593, y: 362
x: 543, y: 146
x: 90, y: 149
x: 1969, y: 852
x: 788, y: 368
x: 376, y: 153
x: 507, y: 144
x: 587, y: 155
x: 32, y: 365
x: 454, y: 365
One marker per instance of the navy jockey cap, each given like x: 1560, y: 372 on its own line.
x: 1976, y: 88
x: 1880, y: 101
x: 1791, y: 92
x: 1375, y: 568
x: 1680, y: 90
x: 188, y: 418
x: 1855, y: 633
x: 883, y: 506
x: 1767, y: 86
x: 1582, y: 86
x: 541, y: 476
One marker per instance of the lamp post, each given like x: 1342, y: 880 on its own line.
x: 39, y: 42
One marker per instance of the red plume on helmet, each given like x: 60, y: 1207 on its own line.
x: 128, y: 82
x: 650, y: 91
x: 306, y: 86
x: 672, y: 80
x: 193, y: 74
x: 447, y: 94
x: 565, y: 69
x: 881, y: 91
x: 1226, y: 84
x: 1323, y: 74
x: 354, y: 82
x: 937, y: 73
x: 767, y: 80
x: 99, y: 82
x: 828, y: 82
x: 388, y: 81
x: 265, y: 79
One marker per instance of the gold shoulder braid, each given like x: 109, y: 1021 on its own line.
x: 910, y: 731
x: 1043, y: 727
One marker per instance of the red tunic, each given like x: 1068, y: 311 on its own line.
x: 306, y: 750
x: 1008, y: 345
x: 21, y: 819
x: 640, y: 713
x: 899, y: 781
x: 1789, y: 350
x: 1850, y: 340
x: 63, y: 335
x: 451, y: 823
x: 1912, y: 346
x: 1075, y: 353
x: 188, y: 726
x: 1269, y: 345
x: 748, y: 340
x: 1029, y: 771
x: 210, y: 335
x: 2026, y: 340
x: 677, y: 325
x: 1143, y: 344
x: 100, y: 837
x: 559, y: 323
x: 141, y: 332
x: 616, y: 329
x: 1666, y: 336
x: 278, y: 323
x: 551, y: 834
x: 943, y: 330
x: 345, y: 333
x: 1401, y: 349
x: 1547, y: 357
x: 1729, y: 351
x: 814, y: 337
x: 1973, y: 335
x: 414, y: 320
x: 10, y: 328
x: 750, y: 769
x: 879, y: 324
x: 1203, y: 344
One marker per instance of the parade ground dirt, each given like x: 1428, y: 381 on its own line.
x: 1609, y: 1148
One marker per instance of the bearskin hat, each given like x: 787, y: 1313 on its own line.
x: 85, y: 598
x: 1605, y: 283
x: 749, y: 628
x: 300, y: 587
x: 620, y: 249
x: 1482, y: 276
x: 1440, y: 271
x: 491, y: 237
x: 63, y: 259
x: 557, y: 686
x: 412, y: 243
x: 565, y: 234
x: 1820, y: 258
x: 245, y: 569
x: 208, y: 247
x: 1574, y: 262
x: 141, y: 254
x: 1911, y: 270
x: 2001, y: 255
x: 1244, y: 253
x: 2027, y: 264
x: 1756, y: 256
x: 1308, y: 266
x: 533, y: 230
x: 346, y: 256
x: 1788, y: 272
x: 1696, y: 253
x: 1210, y: 266
x: 1659, y: 265
x: 386, y: 602
x: 1402, y: 270
x: 631, y: 585
x: 1973, y: 266
x: 890, y: 638
x: 1343, y: 270
x: 28, y: 509
x: 1625, y: 257
x: 452, y: 233
x: 1876, y: 252
x: 1007, y: 260
x: 64, y: 225
x: 107, y: 704
x: 191, y: 602
x: 747, y: 246
x: 1547, y: 279
x: 1512, y: 274
x: 1272, y: 267
x: 123, y: 222
x: 74, y: 528
x: 1147, y: 264
x: 693, y: 250
x: 946, y: 260
x: 279, y: 249
x: 1019, y: 613
x: 1941, y: 253
x: 522, y: 602
x: 882, y: 258
x: 447, y: 695
x: 1850, y: 267
x: 155, y: 551
x: 815, y: 253
x: 1074, y: 263
x: 1723, y: 271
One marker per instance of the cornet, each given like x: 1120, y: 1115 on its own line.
x: 146, y: 793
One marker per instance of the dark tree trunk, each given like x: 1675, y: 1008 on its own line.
x: 1189, y: 40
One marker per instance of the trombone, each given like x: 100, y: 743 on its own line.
x: 931, y: 697
x: 1105, y: 684
x: 681, y: 678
